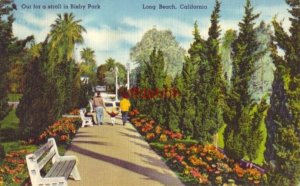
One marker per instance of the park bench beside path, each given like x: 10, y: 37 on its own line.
x: 117, y: 156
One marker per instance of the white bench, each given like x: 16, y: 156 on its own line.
x: 62, y: 167
x: 86, y: 121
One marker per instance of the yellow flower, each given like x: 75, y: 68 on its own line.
x: 163, y: 138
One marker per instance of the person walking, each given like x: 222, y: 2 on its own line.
x: 98, y: 105
x: 124, y: 106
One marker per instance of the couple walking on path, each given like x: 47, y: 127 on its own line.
x: 99, y: 105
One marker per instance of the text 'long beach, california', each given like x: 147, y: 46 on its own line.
x: 173, y: 6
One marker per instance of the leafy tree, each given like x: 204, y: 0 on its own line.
x: 261, y: 81
x: 164, y: 41
x: 283, y: 143
x: 239, y: 98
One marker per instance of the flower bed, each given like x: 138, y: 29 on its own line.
x: 13, y: 170
x: 62, y: 131
x: 195, y: 164
x: 153, y: 131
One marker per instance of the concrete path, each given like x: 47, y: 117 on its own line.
x: 117, y: 156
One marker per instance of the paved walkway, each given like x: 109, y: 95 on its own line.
x: 117, y: 156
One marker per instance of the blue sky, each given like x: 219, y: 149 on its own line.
x: 119, y: 24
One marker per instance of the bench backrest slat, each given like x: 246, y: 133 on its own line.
x: 46, y: 159
x: 46, y: 147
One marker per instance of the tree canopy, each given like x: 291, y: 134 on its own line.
x: 162, y: 40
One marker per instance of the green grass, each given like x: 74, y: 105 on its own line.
x: 14, y: 97
x: 16, y: 145
x: 10, y: 121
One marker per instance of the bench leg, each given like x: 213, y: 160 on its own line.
x: 75, y: 173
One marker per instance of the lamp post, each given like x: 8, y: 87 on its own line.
x: 116, y: 72
x: 128, y: 73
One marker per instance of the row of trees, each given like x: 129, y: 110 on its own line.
x: 52, y: 84
x: 226, y: 83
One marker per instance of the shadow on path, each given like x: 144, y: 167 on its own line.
x: 86, y: 136
x: 131, y: 136
x: 91, y: 142
x: 141, y: 145
x: 151, y: 160
x: 148, y: 172
x: 131, y: 130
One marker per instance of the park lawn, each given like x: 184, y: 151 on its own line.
x: 17, y: 145
x: 10, y: 121
x: 14, y: 97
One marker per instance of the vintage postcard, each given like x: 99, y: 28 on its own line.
x: 149, y: 92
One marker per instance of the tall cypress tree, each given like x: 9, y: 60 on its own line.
x: 283, y: 143
x: 34, y: 107
x: 174, y: 111
x: 210, y: 93
x: 237, y: 117
x: 189, y: 71
x: 152, y: 78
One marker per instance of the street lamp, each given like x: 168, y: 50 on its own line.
x: 116, y: 72
x: 128, y: 73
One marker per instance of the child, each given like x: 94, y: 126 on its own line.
x: 124, y: 106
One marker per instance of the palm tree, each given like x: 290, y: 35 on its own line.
x: 88, y: 56
x: 88, y: 66
x: 64, y: 34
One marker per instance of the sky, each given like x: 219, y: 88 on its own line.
x: 115, y: 27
